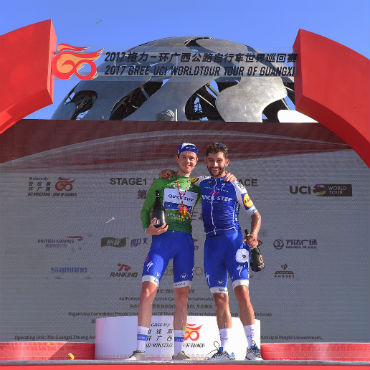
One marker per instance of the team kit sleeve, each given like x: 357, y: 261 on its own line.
x: 243, y: 198
x: 197, y: 180
x: 148, y: 204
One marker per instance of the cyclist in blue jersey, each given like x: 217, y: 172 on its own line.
x: 220, y: 208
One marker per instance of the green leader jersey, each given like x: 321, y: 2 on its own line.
x: 178, y: 205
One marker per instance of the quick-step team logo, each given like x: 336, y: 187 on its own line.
x: 71, y: 60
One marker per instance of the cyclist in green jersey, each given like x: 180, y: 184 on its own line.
x: 174, y: 241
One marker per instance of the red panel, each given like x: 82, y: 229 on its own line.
x: 29, y: 137
x: 316, y: 351
x: 31, y: 351
x: 186, y: 366
x: 332, y: 86
x: 26, y: 80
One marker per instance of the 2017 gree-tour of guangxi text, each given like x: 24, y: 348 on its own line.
x: 184, y: 71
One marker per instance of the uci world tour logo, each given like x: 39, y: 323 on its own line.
x: 323, y: 190
x: 71, y: 59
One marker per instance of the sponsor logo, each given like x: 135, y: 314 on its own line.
x: 123, y: 267
x: 71, y: 59
x: 301, y: 243
x: 278, y: 244
x: 240, y: 269
x: 135, y: 242
x: 171, y: 199
x: 296, y: 243
x: 161, y: 336
x: 68, y: 270
x: 149, y: 265
x: 64, y: 184
x: 207, y: 278
x: 110, y: 241
x: 212, y: 197
x: 41, y: 187
x: 192, y: 332
x: 319, y: 189
x: 247, y: 201
x: 158, y: 325
x: 113, y: 242
x: 323, y: 190
x: 284, y: 273
x: 123, y: 271
x: 59, y: 243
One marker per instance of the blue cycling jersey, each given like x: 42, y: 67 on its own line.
x: 221, y: 202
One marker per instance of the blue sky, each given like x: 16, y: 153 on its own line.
x: 268, y: 25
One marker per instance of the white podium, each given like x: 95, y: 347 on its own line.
x: 116, y: 337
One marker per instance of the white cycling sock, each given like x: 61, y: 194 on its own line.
x: 142, y: 334
x: 178, y: 341
x: 225, y: 338
x: 250, y: 334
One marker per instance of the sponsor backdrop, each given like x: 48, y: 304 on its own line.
x: 72, y: 246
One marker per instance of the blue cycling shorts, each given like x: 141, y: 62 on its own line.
x: 171, y: 244
x: 220, y: 261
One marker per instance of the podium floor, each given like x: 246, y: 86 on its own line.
x: 187, y: 365
x: 278, y: 356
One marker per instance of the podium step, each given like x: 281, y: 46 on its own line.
x: 39, y: 351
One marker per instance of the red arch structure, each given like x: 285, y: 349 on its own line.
x: 27, y: 83
x: 331, y: 86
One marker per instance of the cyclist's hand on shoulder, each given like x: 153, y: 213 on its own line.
x: 166, y: 174
x: 229, y: 177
